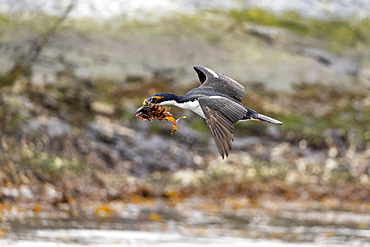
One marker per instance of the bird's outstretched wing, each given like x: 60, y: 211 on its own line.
x: 220, y: 83
x: 221, y: 114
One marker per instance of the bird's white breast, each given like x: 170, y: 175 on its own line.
x: 190, y: 105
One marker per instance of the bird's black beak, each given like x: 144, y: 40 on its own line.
x: 139, y: 111
x: 143, y: 112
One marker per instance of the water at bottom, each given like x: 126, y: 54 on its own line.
x: 111, y: 238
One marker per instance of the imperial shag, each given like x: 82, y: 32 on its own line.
x: 219, y: 101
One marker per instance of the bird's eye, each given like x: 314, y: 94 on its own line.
x: 156, y: 98
x: 147, y: 101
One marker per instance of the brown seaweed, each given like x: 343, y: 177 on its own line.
x: 150, y: 111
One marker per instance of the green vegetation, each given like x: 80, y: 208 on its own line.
x: 198, y: 124
x: 12, y: 114
x: 43, y: 162
x: 337, y: 33
x: 328, y: 107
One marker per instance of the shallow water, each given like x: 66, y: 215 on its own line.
x: 41, y: 238
x: 192, y: 222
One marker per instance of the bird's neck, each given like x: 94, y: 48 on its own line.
x: 184, y: 102
x: 170, y: 99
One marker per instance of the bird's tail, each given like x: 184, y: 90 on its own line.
x: 260, y: 117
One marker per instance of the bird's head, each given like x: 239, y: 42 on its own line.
x: 162, y: 97
x: 155, y: 99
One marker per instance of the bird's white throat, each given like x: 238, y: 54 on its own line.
x: 189, y: 105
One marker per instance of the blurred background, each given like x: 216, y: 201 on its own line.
x: 77, y: 168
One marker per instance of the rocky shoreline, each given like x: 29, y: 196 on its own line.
x: 70, y: 147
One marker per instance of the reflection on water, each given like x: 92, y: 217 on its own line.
x: 41, y: 238
x: 192, y: 222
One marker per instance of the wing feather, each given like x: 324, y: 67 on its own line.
x: 220, y: 83
x: 221, y: 114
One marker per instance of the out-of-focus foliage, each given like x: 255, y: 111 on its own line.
x: 338, y: 33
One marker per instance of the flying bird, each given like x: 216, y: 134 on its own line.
x: 219, y: 101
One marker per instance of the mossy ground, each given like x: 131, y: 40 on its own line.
x: 336, y: 123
